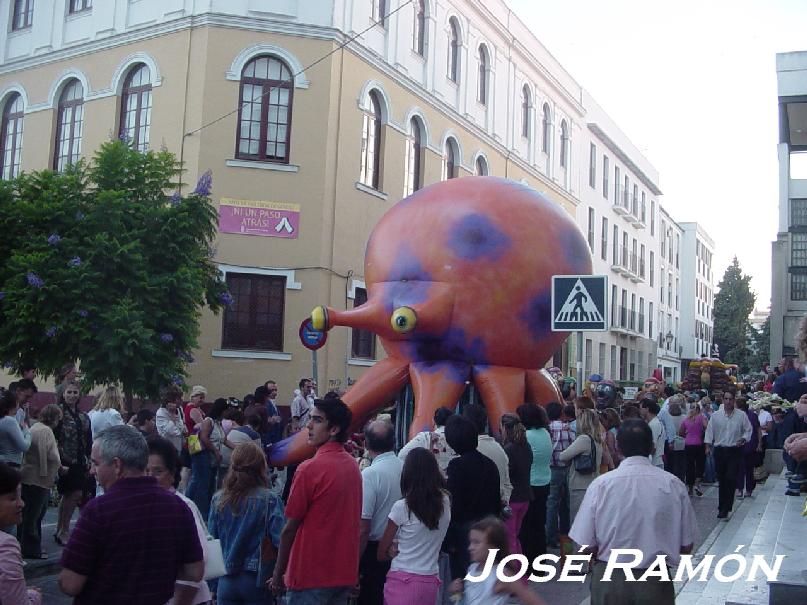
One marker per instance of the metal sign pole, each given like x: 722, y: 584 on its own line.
x: 314, y: 369
x: 580, y: 380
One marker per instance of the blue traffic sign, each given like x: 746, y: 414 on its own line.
x: 579, y: 303
x: 312, y: 339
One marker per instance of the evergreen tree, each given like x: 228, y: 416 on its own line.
x: 733, y: 305
x: 102, y: 265
x: 761, y: 340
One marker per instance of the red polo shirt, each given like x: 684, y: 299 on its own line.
x: 326, y: 498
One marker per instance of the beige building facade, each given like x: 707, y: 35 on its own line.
x: 307, y: 109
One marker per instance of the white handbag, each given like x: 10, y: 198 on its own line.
x: 214, y: 559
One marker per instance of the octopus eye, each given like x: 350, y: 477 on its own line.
x: 404, y: 320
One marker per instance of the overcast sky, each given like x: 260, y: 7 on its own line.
x: 693, y: 84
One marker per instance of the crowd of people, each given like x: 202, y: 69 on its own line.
x: 207, y: 518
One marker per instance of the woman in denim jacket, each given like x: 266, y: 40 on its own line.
x: 248, y: 520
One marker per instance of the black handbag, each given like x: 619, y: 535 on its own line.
x: 584, y: 464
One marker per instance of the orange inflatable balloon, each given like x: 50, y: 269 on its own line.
x: 459, y: 279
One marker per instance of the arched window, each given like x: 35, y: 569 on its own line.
x: 11, y: 137
x: 419, y: 28
x: 526, y: 111
x: 371, y: 143
x: 450, y: 159
x: 453, y: 51
x: 414, y: 155
x: 482, y: 93
x: 564, y: 144
x: 264, y: 115
x: 546, y: 138
x: 135, y: 115
x: 69, y: 123
x: 380, y: 12
x: 481, y: 166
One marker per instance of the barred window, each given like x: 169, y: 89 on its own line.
x: 255, y: 319
x: 371, y: 143
x: 798, y: 249
x: 453, y: 67
x: 414, y: 158
x: 264, y: 115
x: 798, y: 286
x: 798, y: 213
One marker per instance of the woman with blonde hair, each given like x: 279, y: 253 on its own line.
x: 106, y: 411
x: 584, y: 467
x: 519, y: 456
x: 248, y: 519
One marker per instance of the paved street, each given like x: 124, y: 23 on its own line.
x: 554, y: 593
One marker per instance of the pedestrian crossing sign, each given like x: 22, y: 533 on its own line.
x: 579, y: 303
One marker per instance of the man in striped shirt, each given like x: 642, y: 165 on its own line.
x: 557, y: 504
x: 137, y: 544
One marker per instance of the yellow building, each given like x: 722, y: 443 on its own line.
x: 313, y: 120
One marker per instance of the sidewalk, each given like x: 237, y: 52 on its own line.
x: 768, y: 524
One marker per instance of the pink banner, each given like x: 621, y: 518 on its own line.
x: 268, y: 219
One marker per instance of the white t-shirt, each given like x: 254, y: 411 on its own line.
x: 103, y: 419
x: 764, y: 418
x: 481, y: 593
x: 418, y: 546
x: 659, y: 437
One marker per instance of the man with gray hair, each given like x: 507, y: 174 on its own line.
x: 381, y: 488
x: 137, y: 544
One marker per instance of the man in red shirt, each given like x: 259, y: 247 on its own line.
x: 319, y: 546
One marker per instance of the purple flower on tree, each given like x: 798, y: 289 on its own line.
x: 2, y: 295
x: 205, y: 184
x: 50, y: 332
x: 79, y: 216
x: 165, y: 337
x: 176, y: 379
x: 175, y: 199
x: 34, y: 280
x: 8, y: 365
x: 83, y: 313
x: 185, y: 356
x: 54, y: 239
x: 74, y: 262
x: 226, y: 299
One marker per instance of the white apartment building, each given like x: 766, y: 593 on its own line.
x: 618, y: 211
x: 669, y: 298
x: 789, y: 257
x: 697, y: 292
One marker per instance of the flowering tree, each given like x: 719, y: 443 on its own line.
x: 103, y: 265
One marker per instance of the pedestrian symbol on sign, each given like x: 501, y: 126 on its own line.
x: 579, y: 302
x: 578, y: 306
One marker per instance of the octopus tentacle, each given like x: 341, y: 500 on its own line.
x: 542, y: 388
x: 435, y: 385
x: 375, y: 388
x: 502, y: 390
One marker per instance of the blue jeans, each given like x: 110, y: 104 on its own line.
x: 202, y: 483
x: 319, y: 596
x: 557, y: 505
x: 241, y: 589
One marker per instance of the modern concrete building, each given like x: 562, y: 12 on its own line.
x: 669, y: 293
x: 697, y: 292
x: 619, y: 212
x: 789, y: 258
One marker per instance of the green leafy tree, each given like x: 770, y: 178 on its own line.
x: 733, y: 305
x: 104, y: 266
x: 761, y: 341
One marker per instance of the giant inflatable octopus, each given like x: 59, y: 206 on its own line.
x: 459, y: 279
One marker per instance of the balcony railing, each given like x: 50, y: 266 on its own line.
x: 621, y: 203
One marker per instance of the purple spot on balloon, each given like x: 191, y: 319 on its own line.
x: 476, y: 237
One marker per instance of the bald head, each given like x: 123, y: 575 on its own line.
x: 380, y: 436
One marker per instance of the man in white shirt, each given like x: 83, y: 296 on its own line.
x: 381, y: 488
x: 490, y: 448
x: 302, y: 404
x: 649, y: 410
x: 726, y: 434
x: 433, y: 440
x: 666, y: 526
